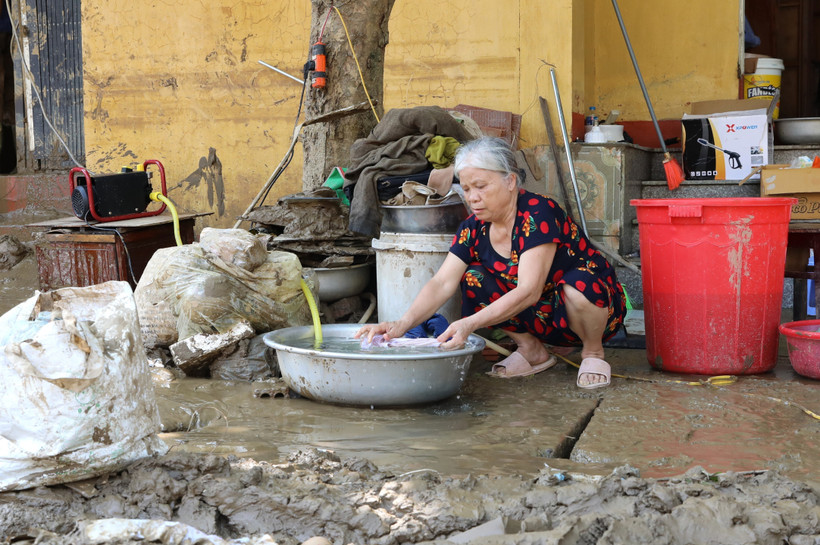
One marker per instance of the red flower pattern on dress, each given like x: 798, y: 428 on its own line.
x: 538, y: 221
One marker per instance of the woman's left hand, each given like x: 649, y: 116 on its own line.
x: 456, y: 335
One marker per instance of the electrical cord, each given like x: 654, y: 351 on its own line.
x: 358, y: 67
x: 34, y: 86
x: 322, y: 32
x: 122, y: 241
x: 537, y: 92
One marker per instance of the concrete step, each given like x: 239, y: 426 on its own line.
x: 699, y: 189
x: 784, y: 155
x: 780, y: 155
x: 631, y: 281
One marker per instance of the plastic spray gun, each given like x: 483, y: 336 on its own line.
x: 734, y: 157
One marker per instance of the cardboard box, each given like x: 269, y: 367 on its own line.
x: 801, y: 183
x: 727, y: 139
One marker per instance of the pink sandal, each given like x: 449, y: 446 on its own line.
x: 516, y: 365
x: 594, y: 366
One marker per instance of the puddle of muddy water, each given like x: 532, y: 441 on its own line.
x: 16, y: 285
x: 491, y: 426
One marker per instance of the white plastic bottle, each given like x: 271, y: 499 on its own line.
x: 591, y: 120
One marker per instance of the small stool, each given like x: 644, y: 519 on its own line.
x: 804, y: 235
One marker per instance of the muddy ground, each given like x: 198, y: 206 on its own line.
x: 350, y: 501
x: 201, y: 498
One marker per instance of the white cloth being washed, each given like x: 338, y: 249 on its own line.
x: 380, y: 342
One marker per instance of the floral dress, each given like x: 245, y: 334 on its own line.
x: 489, y: 275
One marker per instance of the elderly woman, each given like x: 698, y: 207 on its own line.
x: 524, y: 267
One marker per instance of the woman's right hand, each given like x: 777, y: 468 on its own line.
x: 390, y: 330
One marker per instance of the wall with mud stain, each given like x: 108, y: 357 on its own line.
x: 180, y: 81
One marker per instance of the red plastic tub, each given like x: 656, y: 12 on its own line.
x: 712, y: 274
x: 803, y: 344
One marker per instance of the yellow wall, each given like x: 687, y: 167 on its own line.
x: 175, y: 80
x: 483, y: 53
x: 171, y: 80
x: 686, y: 51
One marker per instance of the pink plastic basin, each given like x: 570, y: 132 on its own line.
x: 803, y: 343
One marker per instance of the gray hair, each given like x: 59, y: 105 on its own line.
x: 488, y: 153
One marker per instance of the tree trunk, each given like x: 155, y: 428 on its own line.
x: 327, y: 145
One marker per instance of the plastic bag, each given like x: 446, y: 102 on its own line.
x: 185, y: 291
x: 116, y: 530
x: 76, y: 398
x: 235, y: 246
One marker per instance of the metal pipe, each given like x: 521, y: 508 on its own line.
x: 294, y: 78
x: 569, y: 152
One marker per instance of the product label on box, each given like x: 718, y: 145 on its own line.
x: 724, y: 148
x: 807, y: 207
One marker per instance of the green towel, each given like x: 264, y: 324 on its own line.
x: 442, y: 151
x: 335, y: 181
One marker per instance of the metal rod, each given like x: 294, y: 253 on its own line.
x: 615, y: 257
x: 570, y: 163
x: 638, y: 72
x: 294, y: 78
x: 545, y: 112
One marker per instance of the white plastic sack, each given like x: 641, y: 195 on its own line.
x: 157, y: 531
x: 76, y: 398
x: 186, y: 291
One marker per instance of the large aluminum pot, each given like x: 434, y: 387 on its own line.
x: 364, y: 378
x: 798, y: 130
x: 430, y: 218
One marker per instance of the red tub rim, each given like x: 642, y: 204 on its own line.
x: 788, y: 330
x: 739, y: 201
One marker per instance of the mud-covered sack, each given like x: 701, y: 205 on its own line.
x: 234, y: 246
x: 186, y: 291
x: 116, y: 530
x: 76, y: 398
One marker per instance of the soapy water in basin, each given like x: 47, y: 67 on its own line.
x: 350, y: 345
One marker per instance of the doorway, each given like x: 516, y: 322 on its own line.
x: 42, y: 89
x: 8, y: 147
x: 788, y: 30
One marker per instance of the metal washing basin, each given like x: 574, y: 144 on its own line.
x: 386, y: 378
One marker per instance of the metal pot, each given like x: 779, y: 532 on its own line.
x: 339, y: 282
x: 797, y: 130
x: 431, y: 218
x: 365, y: 378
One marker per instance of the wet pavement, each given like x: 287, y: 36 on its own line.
x: 493, y: 426
x: 557, y: 463
x: 498, y: 426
